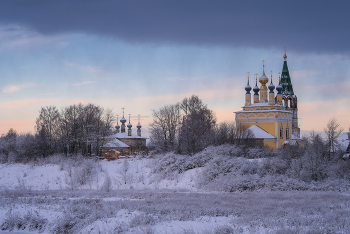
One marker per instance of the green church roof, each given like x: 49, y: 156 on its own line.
x: 285, y: 80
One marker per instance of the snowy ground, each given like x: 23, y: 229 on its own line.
x: 119, y: 197
x: 135, y: 175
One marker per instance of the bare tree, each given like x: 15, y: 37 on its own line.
x: 225, y: 132
x: 165, y: 126
x: 197, y: 127
x: 244, y: 135
x: 49, y: 120
x: 333, y: 132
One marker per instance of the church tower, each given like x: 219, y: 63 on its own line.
x: 263, y: 89
x: 289, y: 98
x: 272, y: 120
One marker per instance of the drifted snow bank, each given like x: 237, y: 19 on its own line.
x: 96, y: 175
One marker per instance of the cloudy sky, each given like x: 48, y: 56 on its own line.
x: 142, y: 55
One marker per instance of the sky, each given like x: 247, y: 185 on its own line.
x: 143, y: 55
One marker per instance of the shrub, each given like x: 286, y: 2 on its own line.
x: 142, y: 219
x: 224, y: 229
x: 32, y: 220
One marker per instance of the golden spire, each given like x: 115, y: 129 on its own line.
x: 285, y: 53
x: 263, y: 67
x: 271, y: 74
x: 256, y: 76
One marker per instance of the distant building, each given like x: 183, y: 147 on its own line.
x: 271, y: 120
x: 124, y: 144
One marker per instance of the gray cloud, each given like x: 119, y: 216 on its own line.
x: 313, y: 25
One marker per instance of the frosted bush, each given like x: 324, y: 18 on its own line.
x: 142, y: 219
x: 31, y: 220
x: 256, y: 152
x: 169, y: 164
x: 64, y: 224
x: 224, y: 229
x: 121, y: 228
x: 3, y: 158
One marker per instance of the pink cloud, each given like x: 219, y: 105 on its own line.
x: 15, y: 88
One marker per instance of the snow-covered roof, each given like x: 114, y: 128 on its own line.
x: 294, y: 137
x: 125, y: 135
x: 290, y: 142
x: 259, y: 133
x: 116, y: 143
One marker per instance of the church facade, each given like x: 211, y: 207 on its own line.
x: 271, y: 120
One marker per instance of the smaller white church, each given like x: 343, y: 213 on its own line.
x: 124, y: 144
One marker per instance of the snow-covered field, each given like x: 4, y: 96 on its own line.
x: 123, y: 174
x: 125, y: 196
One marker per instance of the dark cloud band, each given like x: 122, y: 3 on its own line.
x: 316, y: 26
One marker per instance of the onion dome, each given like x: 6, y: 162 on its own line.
x: 279, y: 87
x: 263, y: 79
x: 129, y: 125
x: 256, y: 88
x: 248, y: 87
x: 123, y: 120
x: 117, y: 126
x: 271, y: 87
x: 138, y: 126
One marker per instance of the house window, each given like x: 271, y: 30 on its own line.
x: 287, y: 133
x: 281, y: 132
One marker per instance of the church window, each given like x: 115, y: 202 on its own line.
x: 281, y: 132
x: 287, y: 133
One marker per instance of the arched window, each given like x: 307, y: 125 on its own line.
x: 287, y: 133
x: 281, y: 132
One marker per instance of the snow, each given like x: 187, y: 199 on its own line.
x: 29, y: 177
x: 141, y: 201
x: 259, y: 133
x: 294, y: 137
x: 116, y: 143
x: 54, y: 177
x: 125, y: 135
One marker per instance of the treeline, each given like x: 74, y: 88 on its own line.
x: 188, y: 127
x: 71, y: 130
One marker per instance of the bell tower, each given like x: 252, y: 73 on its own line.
x: 288, y: 96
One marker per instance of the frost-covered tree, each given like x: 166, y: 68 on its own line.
x: 9, y: 141
x: 333, y: 132
x: 198, y: 126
